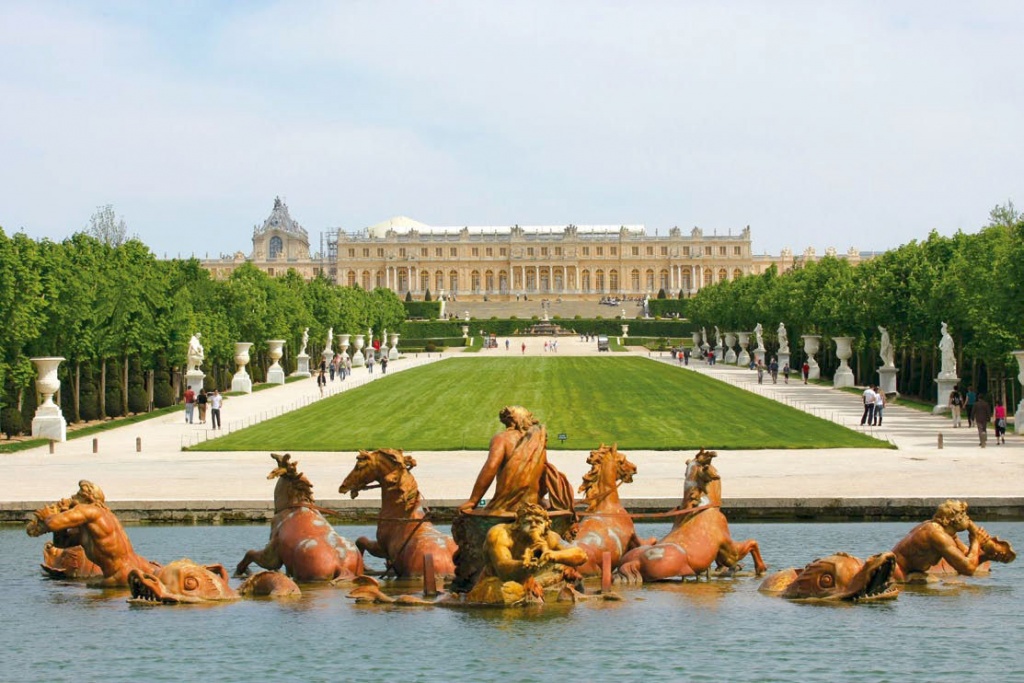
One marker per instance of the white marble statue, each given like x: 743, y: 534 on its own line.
x: 885, y: 350
x: 757, y: 333
x: 703, y: 336
x: 330, y: 340
x: 718, y: 338
x: 305, y: 341
x: 948, y: 368
x: 195, y: 353
x: 783, y: 339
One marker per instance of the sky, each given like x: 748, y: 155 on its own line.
x: 848, y: 124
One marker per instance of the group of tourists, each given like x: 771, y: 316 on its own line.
x: 874, y: 404
x: 979, y: 413
x: 212, y: 400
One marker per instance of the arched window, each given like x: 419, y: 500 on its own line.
x: 424, y: 280
x: 613, y: 281
x: 276, y: 247
x: 599, y: 280
x: 649, y: 276
x: 545, y: 283
x: 351, y: 279
x: 489, y: 281
x: 438, y: 282
x: 723, y: 275
x: 366, y: 280
x: 709, y: 276
x: 737, y: 274
x: 503, y: 282
x: 453, y: 282
x: 634, y: 280
x: 585, y: 280
x: 663, y: 280
x: 559, y: 280
x: 379, y: 280
x: 403, y: 279
x: 531, y: 280
x: 686, y: 280
x: 474, y: 281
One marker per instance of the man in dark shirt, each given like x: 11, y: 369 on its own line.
x: 982, y: 416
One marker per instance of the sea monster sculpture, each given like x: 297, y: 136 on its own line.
x: 839, y: 577
x: 101, y: 535
x: 301, y: 539
x: 186, y: 582
x: 699, y: 536
x: 933, y: 546
x: 404, y: 534
x: 606, y: 526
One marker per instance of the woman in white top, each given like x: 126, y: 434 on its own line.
x: 879, y: 404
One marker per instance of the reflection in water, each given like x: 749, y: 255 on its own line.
x: 725, y: 624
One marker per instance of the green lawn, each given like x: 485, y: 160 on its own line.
x: 454, y: 404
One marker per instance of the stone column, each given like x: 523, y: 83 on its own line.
x: 730, y: 353
x: 844, y: 375
x: 1018, y: 418
x: 275, y: 373
x: 241, y: 381
x: 743, y: 359
x: 811, y: 345
x: 48, y: 422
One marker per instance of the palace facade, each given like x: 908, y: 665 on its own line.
x: 473, y: 262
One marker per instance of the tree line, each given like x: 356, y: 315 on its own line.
x: 123, y: 318
x: 973, y: 282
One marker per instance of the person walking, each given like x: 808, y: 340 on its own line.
x: 215, y: 403
x: 869, y: 407
x: 1000, y: 418
x: 805, y: 369
x: 785, y: 373
x: 190, y: 404
x: 383, y: 365
x: 321, y: 380
x: 879, y: 405
x: 972, y: 397
x: 760, y: 372
x: 369, y: 361
x: 773, y: 370
x: 982, y: 416
x: 956, y: 402
x: 524, y: 348
x: 202, y: 401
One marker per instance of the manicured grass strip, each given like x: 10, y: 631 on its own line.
x: 454, y: 404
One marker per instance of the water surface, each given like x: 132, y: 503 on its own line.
x: 720, y: 630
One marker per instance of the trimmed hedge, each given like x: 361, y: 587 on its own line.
x: 664, y: 307
x: 423, y: 309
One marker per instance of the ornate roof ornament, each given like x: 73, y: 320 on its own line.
x: 280, y: 219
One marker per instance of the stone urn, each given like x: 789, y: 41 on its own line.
x: 625, y: 331
x: 358, y: 359
x: 844, y: 349
x: 730, y: 352
x: 343, y: 343
x: 48, y: 422
x: 812, y: 343
x: 241, y: 381
x: 275, y: 373
x: 465, y: 331
x: 697, y: 340
x: 743, y: 359
x: 393, y: 351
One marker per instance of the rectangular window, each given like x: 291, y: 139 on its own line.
x: 600, y: 251
x: 529, y: 251
x: 558, y: 251
x: 453, y: 252
x: 586, y: 251
x: 351, y: 253
x: 401, y: 252
x: 664, y: 251
x: 686, y: 251
x: 380, y: 252
x: 650, y: 251
x: 737, y: 251
x: 543, y: 251
x: 722, y: 251
x: 423, y: 251
x: 476, y: 251
x: 614, y: 250
x: 490, y: 251
x: 366, y: 253
x: 438, y: 252
x: 635, y: 251
x: 707, y: 251
x: 503, y: 252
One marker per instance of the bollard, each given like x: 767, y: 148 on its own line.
x: 51, y: 446
x: 606, y: 571
x: 429, y: 582
x: 138, y: 444
x: 940, y: 441
x: 95, y: 445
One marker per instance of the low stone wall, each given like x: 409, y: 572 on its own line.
x: 737, y: 509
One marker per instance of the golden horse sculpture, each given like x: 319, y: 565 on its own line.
x: 606, y: 526
x: 301, y: 540
x: 404, y: 536
x: 699, y: 536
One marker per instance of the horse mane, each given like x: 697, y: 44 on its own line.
x: 593, y: 477
x: 406, y: 485
x: 287, y: 469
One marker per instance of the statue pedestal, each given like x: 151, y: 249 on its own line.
x: 730, y: 356
x: 241, y: 382
x: 783, y: 361
x: 843, y: 377
x: 719, y: 354
x: 743, y: 360
x: 194, y: 380
x: 49, y: 423
x: 887, y: 380
x: 946, y: 385
x: 303, y: 366
x: 1018, y: 418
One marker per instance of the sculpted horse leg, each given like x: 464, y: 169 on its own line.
x: 654, y: 563
x: 367, y: 545
x: 731, y: 552
x: 266, y: 558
